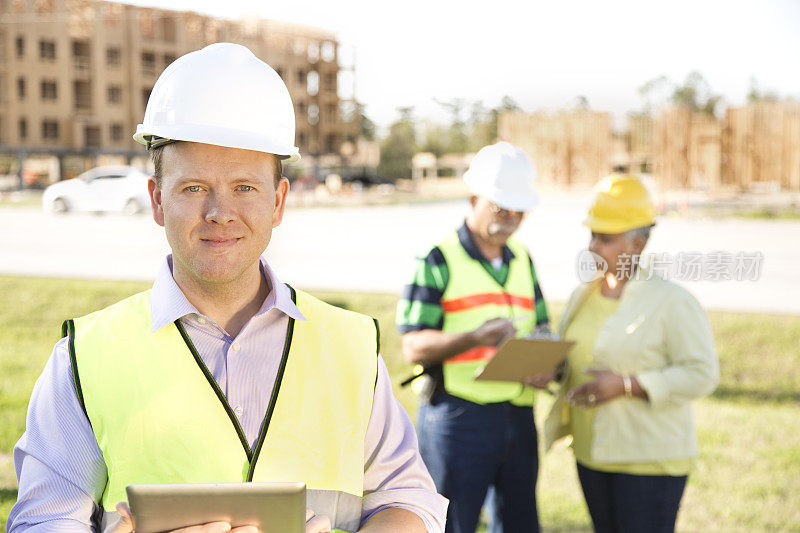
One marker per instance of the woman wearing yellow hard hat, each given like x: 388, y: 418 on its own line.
x: 643, y: 352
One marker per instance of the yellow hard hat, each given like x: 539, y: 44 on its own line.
x: 620, y: 203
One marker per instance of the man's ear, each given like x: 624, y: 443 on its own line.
x: 154, y: 189
x: 281, y: 192
x: 473, y: 200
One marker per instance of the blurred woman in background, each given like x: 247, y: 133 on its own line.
x: 643, y: 352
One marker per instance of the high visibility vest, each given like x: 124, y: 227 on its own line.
x: 472, y: 297
x: 159, y: 416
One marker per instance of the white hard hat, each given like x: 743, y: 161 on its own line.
x: 503, y: 173
x: 221, y: 95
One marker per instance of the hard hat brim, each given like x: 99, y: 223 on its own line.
x: 611, y: 228
x: 218, y: 136
x: 515, y: 204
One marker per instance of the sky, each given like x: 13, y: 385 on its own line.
x: 542, y: 54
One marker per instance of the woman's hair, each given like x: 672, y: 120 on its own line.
x: 643, y: 232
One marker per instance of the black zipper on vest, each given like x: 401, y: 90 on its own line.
x: 262, y: 436
x: 217, y: 390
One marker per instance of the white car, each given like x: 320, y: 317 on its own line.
x: 108, y: 188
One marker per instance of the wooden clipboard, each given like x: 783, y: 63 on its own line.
x: 516, y: 359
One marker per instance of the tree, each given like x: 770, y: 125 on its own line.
x: 695, y: 93
x: 462, y: 135
x: 756, y: 95
x: 509, y: 104
x: 581, y: 103
x: 367, y: 126
x: 399, y: 146
x: 483, y: 126
x: 455, y: 140
x: 654, y: 93
x: 434, y: 138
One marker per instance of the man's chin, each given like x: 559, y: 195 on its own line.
x: 500, y: 238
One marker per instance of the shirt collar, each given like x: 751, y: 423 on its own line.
x: 467, y: 242
x: 168, y: 303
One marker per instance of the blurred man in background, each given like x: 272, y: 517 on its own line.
x: 469, y: 293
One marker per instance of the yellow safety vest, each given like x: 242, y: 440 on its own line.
x: 472, y: 297
x: 159, y: 416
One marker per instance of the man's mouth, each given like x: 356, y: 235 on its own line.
x: 502, y: 229
x: 219, y: 241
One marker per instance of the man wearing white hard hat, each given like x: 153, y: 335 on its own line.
x: 220, y: 372
x: 469, y: 293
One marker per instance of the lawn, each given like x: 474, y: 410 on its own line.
x: 747, y: 478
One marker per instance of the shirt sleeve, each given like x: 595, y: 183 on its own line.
x: 693, y: 368
x: 394, y: 474
x: 540, y: 307
x: 59, y: 466
x: 420, y: 306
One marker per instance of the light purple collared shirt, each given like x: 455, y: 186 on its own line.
x: 60, y: 467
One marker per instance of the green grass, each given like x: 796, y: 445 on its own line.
x: 747, y: 477
x: 26, y: 198
x: 772, y: 212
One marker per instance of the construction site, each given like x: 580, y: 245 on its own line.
x: 755, y: 148
x: 75, y: 77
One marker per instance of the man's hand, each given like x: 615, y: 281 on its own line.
x: 125, y: 525
x: 317, y: 524
x: 540, y: 381
x: 493, y: 332
x: 605, y: 386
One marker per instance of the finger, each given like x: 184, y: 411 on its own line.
x: 502, y: 326
x: 125, y: 521
x: 578, y: 391
x: 319, y: 524
x: 309, y: 514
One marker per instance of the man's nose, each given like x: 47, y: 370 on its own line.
x: 219, y: 209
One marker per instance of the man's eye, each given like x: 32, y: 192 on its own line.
x: 193, y: 188
x: 245, y: 188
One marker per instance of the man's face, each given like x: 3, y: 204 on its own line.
x: 493, y: 223
x: 218, y: 206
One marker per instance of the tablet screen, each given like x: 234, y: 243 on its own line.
x: 272, y: 507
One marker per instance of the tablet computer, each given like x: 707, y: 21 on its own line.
x: 272, y: 507
x: 516, y: 359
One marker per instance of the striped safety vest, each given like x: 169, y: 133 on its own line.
x: 159, y: 416
x: 472, y: 297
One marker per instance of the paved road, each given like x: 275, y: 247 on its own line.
x: 370, y: 248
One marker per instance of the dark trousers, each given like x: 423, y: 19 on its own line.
x: 470, y: 449
x: 626, y: 503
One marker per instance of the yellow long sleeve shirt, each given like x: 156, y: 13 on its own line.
x: 658, y: 333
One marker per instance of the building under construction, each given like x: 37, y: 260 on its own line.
x: 75, y: 76
x: 569, y: 148
x: 755, y: 147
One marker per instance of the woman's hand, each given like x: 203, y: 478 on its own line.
x: 539, y: 381
x: 606, y: 386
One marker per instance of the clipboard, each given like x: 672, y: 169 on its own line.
x: 516, y: 359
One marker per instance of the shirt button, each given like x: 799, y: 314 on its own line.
x: 235, y: 346
x: 201, y: 320
x: 238, y: 411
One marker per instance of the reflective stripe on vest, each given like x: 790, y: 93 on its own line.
x: 472, y: 297
x: 159, y: 416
